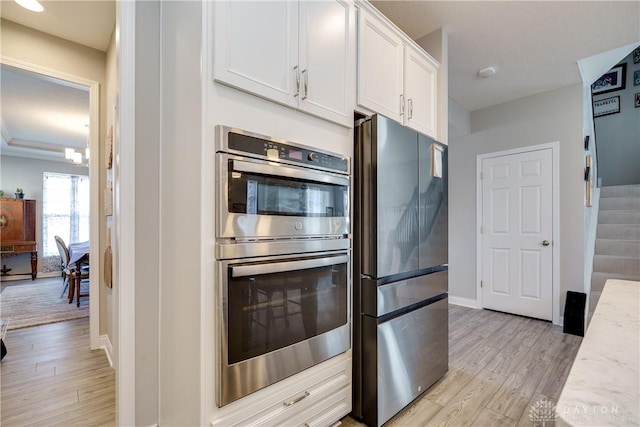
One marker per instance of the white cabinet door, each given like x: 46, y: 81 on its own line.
x: 420, y: 92
x: 325, y: 63
x: 380, y: 60
x: 256, y: 47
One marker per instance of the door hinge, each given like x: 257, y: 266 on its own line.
x: 481, y: 283
x: 481, y: 175
x: 481, y: 230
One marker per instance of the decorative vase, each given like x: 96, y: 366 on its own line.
x: 19, y: 195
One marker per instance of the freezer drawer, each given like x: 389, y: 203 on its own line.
x: 378, y: 300
x: 402, y: 358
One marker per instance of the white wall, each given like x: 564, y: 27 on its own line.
x: 181, y: 198
x: 547, y: 117
x: 459, y: 120
x: 147, y: 234
x: 108, y: 306
x: 27, y: 174
x: 618, y: 135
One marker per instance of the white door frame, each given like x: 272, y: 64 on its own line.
x: 555, y: 236
x: 124, y: 214
x: 95, y: 341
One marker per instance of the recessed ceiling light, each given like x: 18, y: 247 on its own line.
x: 487, y: 72
x: 32, y: 5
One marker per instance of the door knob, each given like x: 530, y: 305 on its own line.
x: 545, y: 243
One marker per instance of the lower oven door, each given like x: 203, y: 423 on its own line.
x: 279, y: 316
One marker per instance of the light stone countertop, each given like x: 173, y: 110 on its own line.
x: 603, y: 387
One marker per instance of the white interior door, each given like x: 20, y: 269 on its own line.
x: 517, y: 229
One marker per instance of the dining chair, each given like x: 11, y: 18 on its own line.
x: 79, y: 272
x: 64, y: 257
x: 70, y: 273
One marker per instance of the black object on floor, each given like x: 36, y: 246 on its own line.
x: 3, y: 350
x: 574, y: 313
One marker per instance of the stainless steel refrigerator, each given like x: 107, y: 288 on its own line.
x: 400, y: 267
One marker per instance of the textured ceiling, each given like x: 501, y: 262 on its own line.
x: 534, y: 45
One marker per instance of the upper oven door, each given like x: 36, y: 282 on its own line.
x: 260, y: 199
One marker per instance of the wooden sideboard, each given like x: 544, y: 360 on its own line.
x: 18, y: 232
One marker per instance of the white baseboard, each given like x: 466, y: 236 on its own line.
x: 464, y: 302
x: 105, y: 344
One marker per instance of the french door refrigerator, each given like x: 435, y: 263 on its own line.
x: 400, y: 267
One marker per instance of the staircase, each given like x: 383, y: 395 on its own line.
x: 617, y: 252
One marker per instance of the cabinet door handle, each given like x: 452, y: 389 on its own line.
x: 401, y: 104
x: 296, y: 70
x: 410, y: 101
x: 296, y: 400
x: 305, y: 74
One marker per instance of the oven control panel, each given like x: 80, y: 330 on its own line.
x: 272, y: 150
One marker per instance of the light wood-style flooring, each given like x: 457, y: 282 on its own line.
x: 51, y: 377
x: 499, y: 366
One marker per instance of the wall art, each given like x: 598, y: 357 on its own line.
x: 604, y: 107
x: 614, y: 79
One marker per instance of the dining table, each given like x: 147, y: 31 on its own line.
x: 78, y: 257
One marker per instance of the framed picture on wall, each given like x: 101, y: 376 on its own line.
x: 612, y: 80
x: 637, y: 100
x: 636, y: 78
x: 604, y: 107
x: 636, y: 56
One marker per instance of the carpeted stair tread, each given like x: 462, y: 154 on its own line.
x: 614, y: 247
x: 619, y: 217
x: 598, y: 279
x: 618, y: 231
x: 616, y: 265
x: 620, y: 191
x: 619, y: 203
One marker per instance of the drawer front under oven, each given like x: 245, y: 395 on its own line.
x: 280, y: 315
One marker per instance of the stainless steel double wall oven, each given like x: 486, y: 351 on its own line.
x: 283, y: 293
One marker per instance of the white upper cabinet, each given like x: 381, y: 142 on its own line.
x: 380, y: 52
x: 395, y: 77
x: 420, y: 92
x: 294, y: 53
x: 256, y: 47
x: 325, y: 62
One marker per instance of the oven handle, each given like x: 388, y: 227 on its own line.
x: 279, y: 267
x: 317, y: 176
